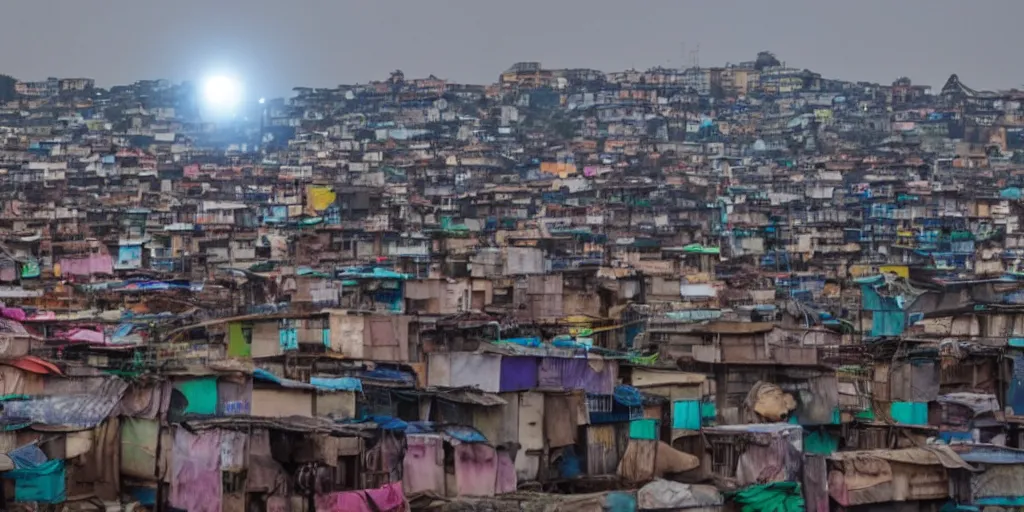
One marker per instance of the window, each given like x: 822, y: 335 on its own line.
x: 233, y: 482
x: 346, y: 474
x: 723, y: 457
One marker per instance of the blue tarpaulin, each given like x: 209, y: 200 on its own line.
x: 383, y: 422
x: 27, y: 456
x: 263, y: 375
x: 569, y: 464
x: 388, y: 374
x: 526, y: 342
x: 628, y: 396
x: 337, y: 384
x: 990, y: 454
x: 1010, y: 193
x: 463, y: 433
x: 369, y: 273
x: 618, y: 501
x: 887, y: 315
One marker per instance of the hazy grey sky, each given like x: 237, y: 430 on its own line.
x: 277, y: 44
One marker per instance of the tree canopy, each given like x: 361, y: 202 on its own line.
x: 766, y: 59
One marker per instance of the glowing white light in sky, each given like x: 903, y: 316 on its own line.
x: 222, y: 92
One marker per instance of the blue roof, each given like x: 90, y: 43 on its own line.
x: 321, y: 383
x: 391, y: 375
x: 460, y: 433
x: 463, y: 433
x: 990, y: 454
x: 263, y: 375
x: 383, y: 422
x: 374, y: 273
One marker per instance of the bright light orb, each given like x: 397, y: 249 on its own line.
x: 222, y: 92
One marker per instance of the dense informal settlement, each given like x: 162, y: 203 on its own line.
x: 745, y: 288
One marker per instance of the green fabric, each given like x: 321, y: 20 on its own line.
x: 237, y: 344
x: 820, y: 443
x: 708, y: 412
x: 43, y: 483
x: 773, y: 497
x: 30, y: 269
x: 288, y: 337
x: 201, y: 394
x: 686, y: 414
x: 888, y: 323
x: 643, y: 429
x: 910, y: 413
x: 866, y: 415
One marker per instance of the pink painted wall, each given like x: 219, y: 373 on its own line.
x: 506, y: 474
x: 94, y: 264
x: 423, y: 467
x: 476, y: 469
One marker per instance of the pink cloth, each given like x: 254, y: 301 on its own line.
x: 95, y: 264
x: 86, y: 336
x: 389, y: 498
x: 16, y: 314
x: 195, y: 471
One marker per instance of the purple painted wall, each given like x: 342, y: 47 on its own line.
x: 596, y: 376
x: 518, y: 374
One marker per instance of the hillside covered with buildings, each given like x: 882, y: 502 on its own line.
x: 747, y: 287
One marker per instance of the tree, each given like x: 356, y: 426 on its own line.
x: 7, y: 88
x: 766, y: 59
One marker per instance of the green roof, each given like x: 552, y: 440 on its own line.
x: 700, y: 249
